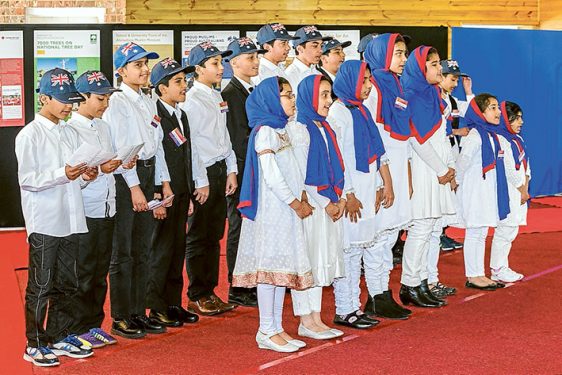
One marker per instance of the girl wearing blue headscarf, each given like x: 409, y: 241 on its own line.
x: 272, y: 251
x: 322, y: 169
x: 432, y: 166
x: 363, y: 152
x: 483, y: 197
x: 386, y: 56
x: 518, y: 187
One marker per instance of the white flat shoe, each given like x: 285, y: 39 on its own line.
x: 336, y: 332
x: 324, y: 335
x: 264, y: 342
x: 298, y: 343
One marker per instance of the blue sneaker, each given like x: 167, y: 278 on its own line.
x: 72, y: 347
x: 103, y: 336
x: 90, y: 340
x: 41, y: 356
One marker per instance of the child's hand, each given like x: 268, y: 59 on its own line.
x: 132, y: 163
x: 91, y: 174
x: 190, y: 209
x: 447, y: 177
x: 333, y: 211
x: 524, y: 194
x: 201, y: 194
x: 167, y: 192
x: 110, y: 166
x: 306, y: 208
x: 159, y: 213
x: 378, y: 199
x: 353, y: 208
x: 454, y: 185
x: 138, y: 199
x: 72, y: 173
x: 387, y: 198
x: 341, y: 208
x: 231, y: 184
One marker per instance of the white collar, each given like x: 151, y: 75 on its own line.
x: 129, y: 92
x: 200, y: 86
x: 171, y: 110
x: 48, y: 123
x: 246, y: 85
x: 301, y: 66
x: 270, y: 64
x: 82, y: 120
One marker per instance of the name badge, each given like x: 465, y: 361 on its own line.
x: 500, y: 154
x: 177, y: 137
x: 223, y: 107
x: 455, y: 113
x: 401, y: 103
x: 155, y: 121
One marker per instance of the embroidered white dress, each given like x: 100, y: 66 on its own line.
x: 323, y: 236
x: 272, y: 248
x: 399, y: 215
x: 364, y: 185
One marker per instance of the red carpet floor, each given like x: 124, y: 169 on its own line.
x: 512, y: 331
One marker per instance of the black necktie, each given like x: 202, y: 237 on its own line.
x: 250, y: 89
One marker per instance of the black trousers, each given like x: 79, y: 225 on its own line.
x: 132, y: 235
x: 206, y: 228
x: 234, y: 227
x: 52, y: 281
x: 167, y: 257
x: 94, y: 256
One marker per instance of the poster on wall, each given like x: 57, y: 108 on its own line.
x: 219, y: 39
x: 74, y: 50
x: 11, y: 79
x: 159, y: 41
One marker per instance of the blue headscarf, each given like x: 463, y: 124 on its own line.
x: 324, y: 167
x: 395, y: 118
x: 263, y: 107
x: 517, y: 143
x: 424, y: 99
x: 490, y: 158
x: 367, y: 140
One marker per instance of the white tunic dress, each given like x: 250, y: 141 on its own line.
x: 272, y: 248
x: 431, y: 199
x: 477, y: 197
x: 364, y: 232
x: 518, y: 212
x: 323, y: 236
x: 399, y: 215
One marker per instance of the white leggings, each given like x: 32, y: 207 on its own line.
x: 474, y: 250
x: 307, y: 301
x: 270, y: 304
x: 346, y: 289
x: 377, y: 261
x: 501, y: 246
x: 416, y: 251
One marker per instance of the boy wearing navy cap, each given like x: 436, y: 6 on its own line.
x: 245, y: 63
x: 333, y: 56
x: 99, y: 205
x: 133, y: 121
x: 274, y: 38
x: 308, y: 47
x: 52, y: 207
x: 206, y: 111
x: 167, y: 256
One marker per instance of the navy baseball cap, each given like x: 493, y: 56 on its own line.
x: 362, y: 46
x: 242, y: 45
x: 308, y: 34
x: 59, y: 84
x: 273, y: 31
x: 452, y: 67
x: 331, y: 44
x: 203, y: 51
x: 167, y: 67
x: 94, y: 82
x: 131, y: 52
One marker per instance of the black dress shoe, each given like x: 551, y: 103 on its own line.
x: 413, y: 295
x: 424, y: 288
x: 396, y: 305
x: 242, y: 297
x: 181, y: 314
x: 126, y: 328
x: 385, y: 309
x: 353, y: 321
x: 163, y: 319
x: 149, y: 325
x: 366, y: 317
x: 489, y: 287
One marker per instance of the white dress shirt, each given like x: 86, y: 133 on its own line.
x: 268, y: 69
x: 210, y: 140
x: 297, y: 71
x: 99, y: 195
x: 51, y: 203
x: 129, y: 116
x: 248, y: 86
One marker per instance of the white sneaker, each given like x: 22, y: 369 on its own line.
x: 42, y: 356
x: 264, y: 342
x: 72, y: 347
x: 506, y: 274
x: 324, y: 335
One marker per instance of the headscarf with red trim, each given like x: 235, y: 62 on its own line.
x: 491, y: 157
x: 367, y: 140
x: 392, y: 108
x: 517, y: 142
x: 424, y: 99
x: 324, y: 167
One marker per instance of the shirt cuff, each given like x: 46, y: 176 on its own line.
x: 60, y: 175
x: 201, y: 182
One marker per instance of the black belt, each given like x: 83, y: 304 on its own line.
x: 147, y: 163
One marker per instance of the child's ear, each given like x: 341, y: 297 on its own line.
x: 122, y: 71
x: 44, y: 99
